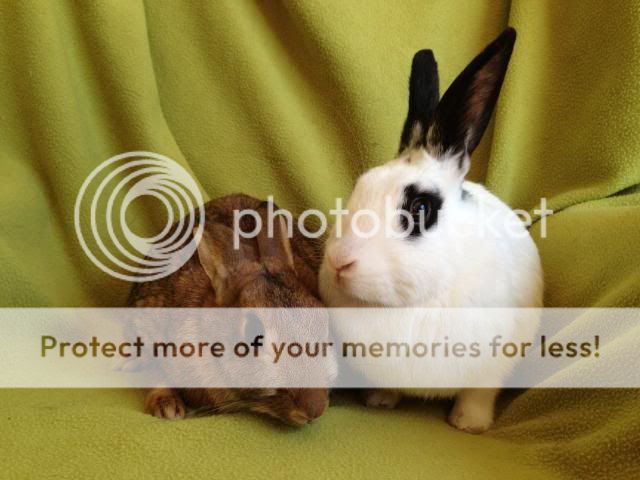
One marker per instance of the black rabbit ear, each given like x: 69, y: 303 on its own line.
x: 424, y: 92
x: 465, y: 109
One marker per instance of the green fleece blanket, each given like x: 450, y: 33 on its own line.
x: 296, y: 99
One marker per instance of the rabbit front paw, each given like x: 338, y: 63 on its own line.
x: 473, y: 410
x: 164, y: 403
x: 471, y: 421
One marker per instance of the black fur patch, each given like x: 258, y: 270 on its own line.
x: 413, y: 194
x: 424, y: 93
x: 466, y: 107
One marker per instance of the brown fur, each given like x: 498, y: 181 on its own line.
x: 263, y: 273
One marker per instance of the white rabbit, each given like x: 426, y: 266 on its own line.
x: 466, y: 248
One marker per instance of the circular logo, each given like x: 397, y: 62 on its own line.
x: 109, y: 191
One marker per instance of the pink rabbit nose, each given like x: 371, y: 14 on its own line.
x: 341, y: 258
x: 344, y: 267
x: 341, y: 265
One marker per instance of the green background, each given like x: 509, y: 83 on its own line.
x: 296, y: 99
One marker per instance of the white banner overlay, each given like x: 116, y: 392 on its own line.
x: 337, y: 348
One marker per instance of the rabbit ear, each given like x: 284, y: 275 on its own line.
x: 424, y: 92
x: 465, y: 109
x: 273, y: 240
x: 218, y: 257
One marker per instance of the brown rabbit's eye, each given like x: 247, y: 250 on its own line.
x: 253, y: 327
x: 422, y: 206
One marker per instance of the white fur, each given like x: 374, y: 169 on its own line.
x: 478, y: 255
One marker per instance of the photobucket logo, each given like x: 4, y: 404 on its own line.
x: 108, y: 193
x: 394, y: 222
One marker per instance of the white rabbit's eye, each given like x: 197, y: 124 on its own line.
x: 421, y: 206
x: 420, y: 210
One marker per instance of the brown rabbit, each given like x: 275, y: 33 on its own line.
x: 264, y: 272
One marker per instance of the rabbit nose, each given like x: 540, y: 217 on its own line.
x: 313, y: 402
x: 341, y: 263
x: 343, y: 268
